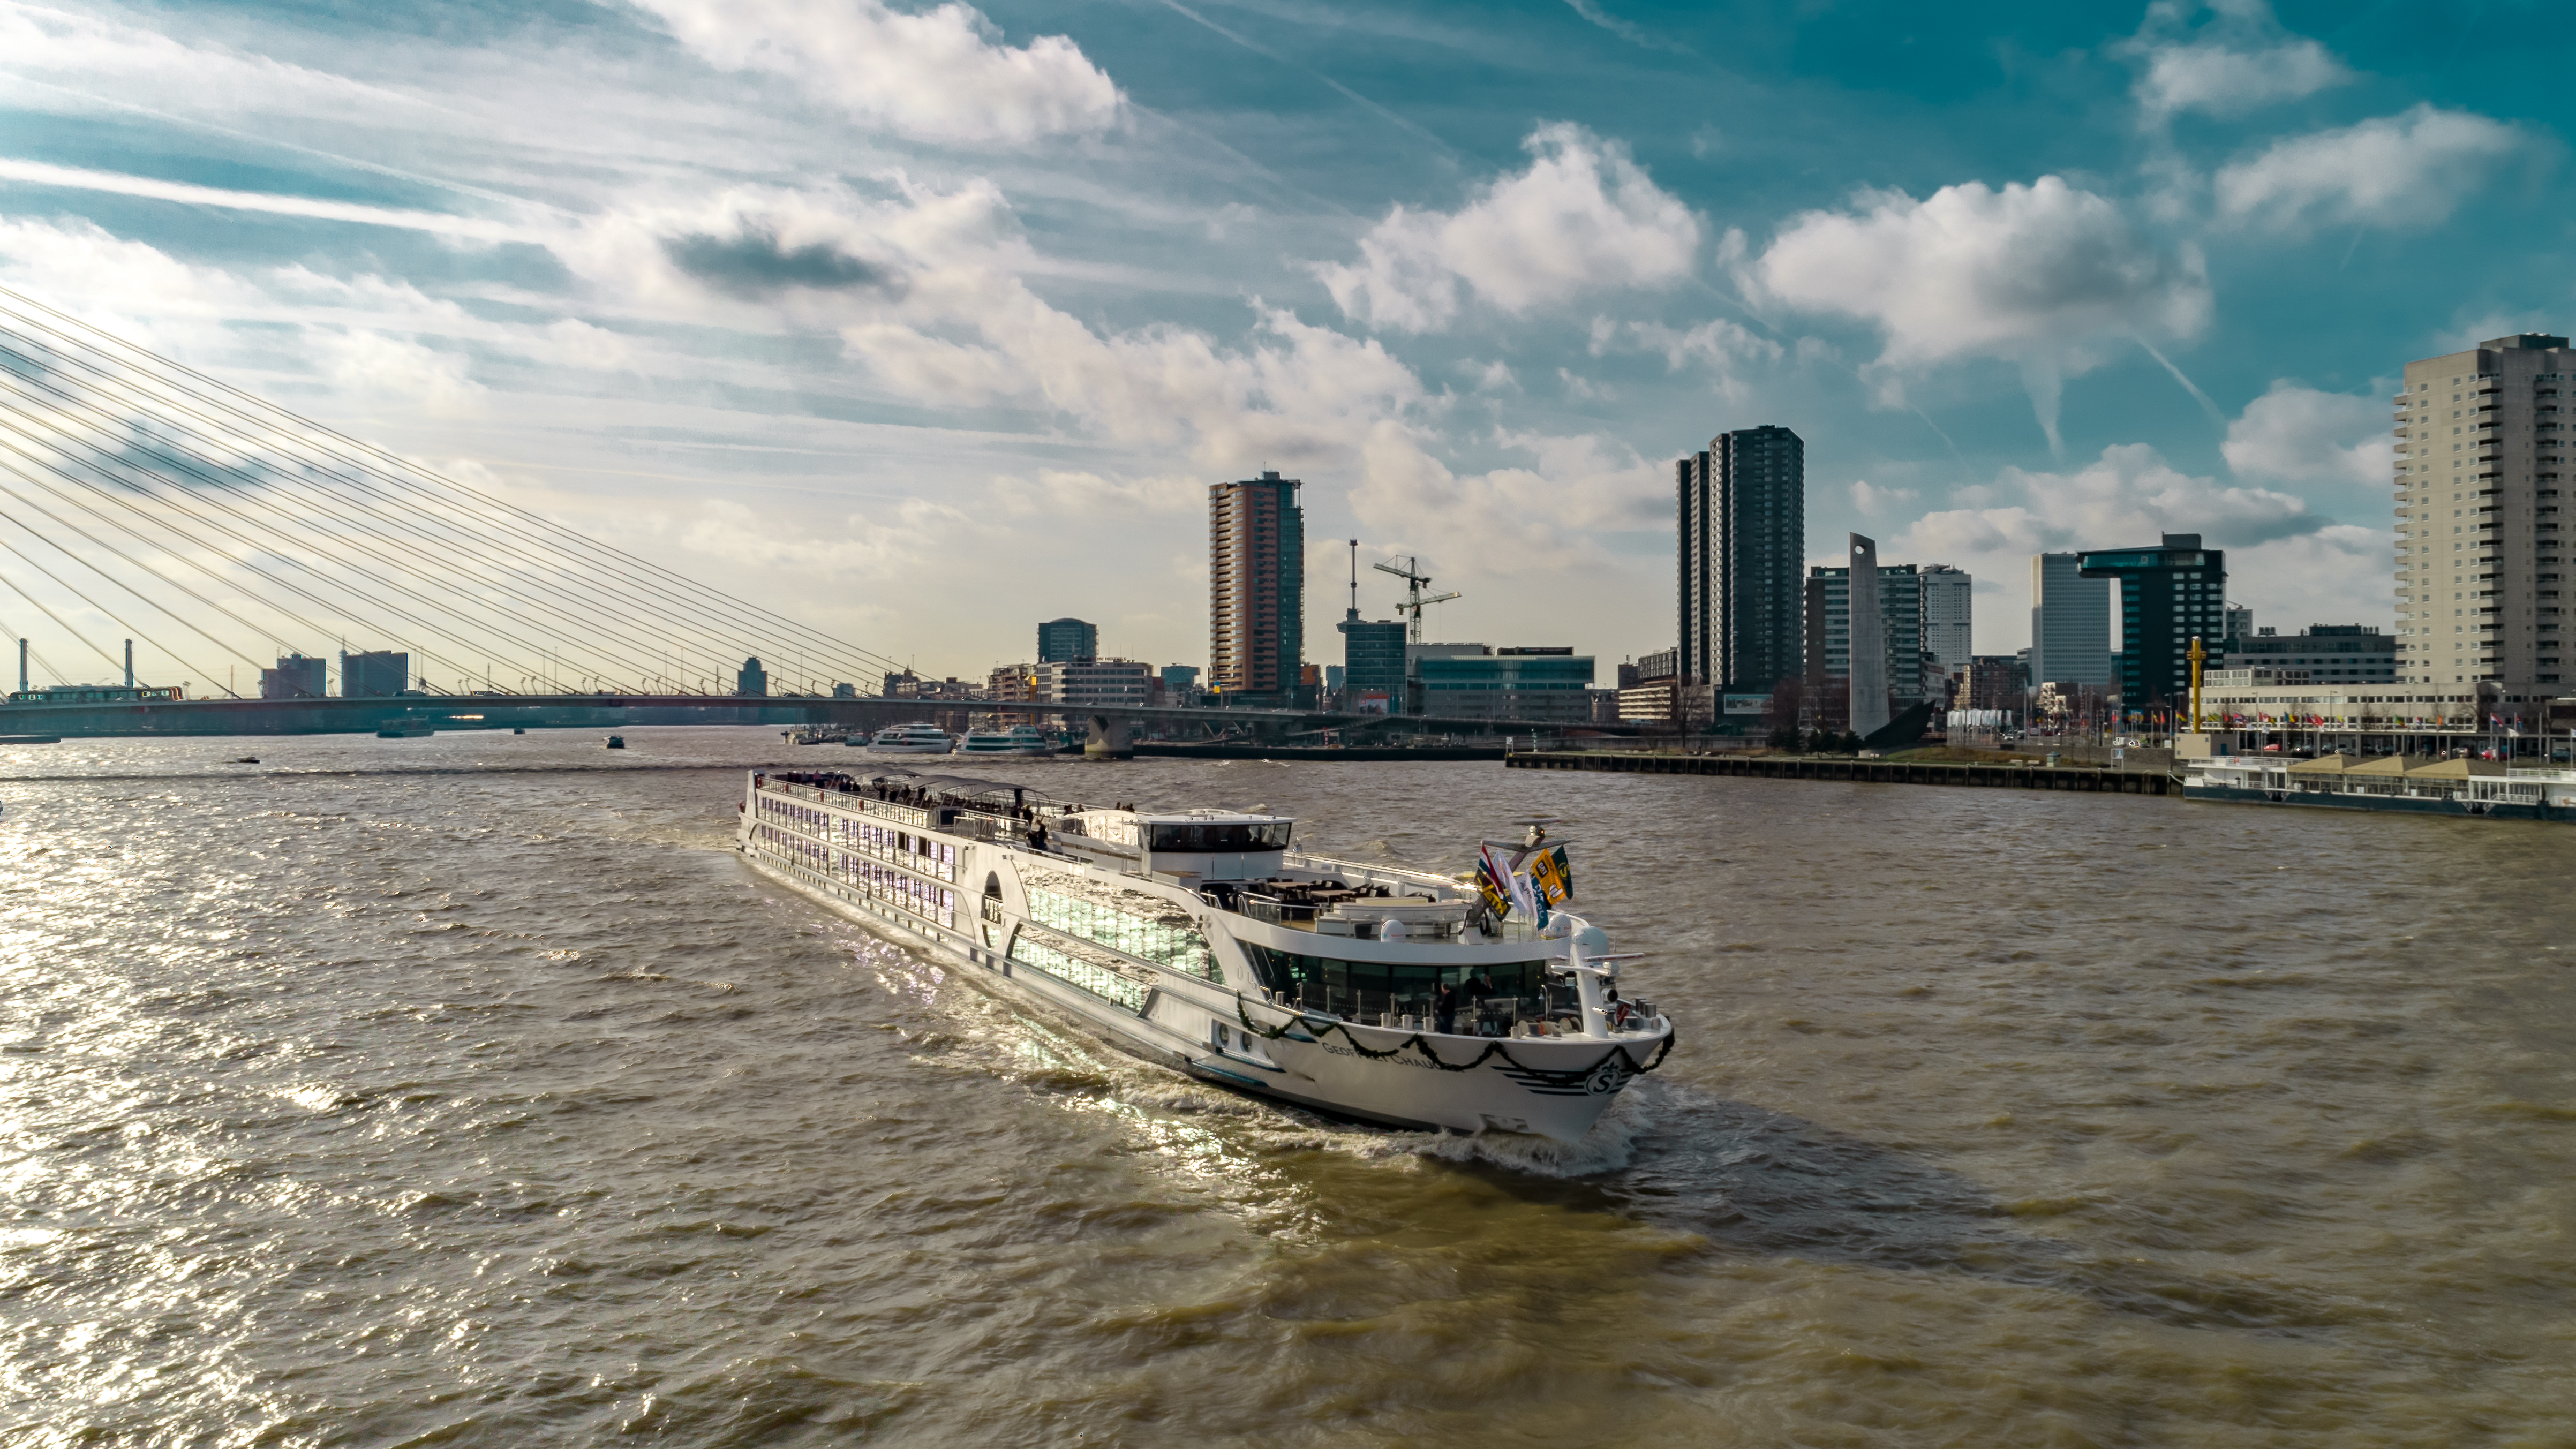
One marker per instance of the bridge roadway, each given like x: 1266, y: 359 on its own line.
x: 1109, y: 729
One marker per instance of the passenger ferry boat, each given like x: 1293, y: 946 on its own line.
x: 1017, y: 740
x: 2431, y: 787
x: 910, y: 739
x: 816, y: 734
x: 1203, y: 941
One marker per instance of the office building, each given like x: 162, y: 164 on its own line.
x: 375, y: 674
x: 1067, y: 639
x: 1256, y: 587
x: 1080, y: 682
x: 1742, y: 514
x: 1373, y: 659
x: 1897, y: 666
x: 1552, y: 684
x: 1180, y: 679
x: 2169, y: 595
x: 2329, y: 653
x: 1995, y: 681
x: 1948, y: 616
x: 2070, y: 622
x: 295, y: 677
x: 2480, y: 547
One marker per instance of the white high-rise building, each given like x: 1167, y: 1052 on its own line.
x: 2480, y: 548
x: 1946, y: 617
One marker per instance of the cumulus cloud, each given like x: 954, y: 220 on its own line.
x: 1506, y: 523
x: 2407, y: 170
x: 2295, y: 434
x: 2041, y: 275
x: 2284, y: 560
x: 2240, y: 60
x: 2128, y: 495
x: 943, y: 75
x: 1584, y: 217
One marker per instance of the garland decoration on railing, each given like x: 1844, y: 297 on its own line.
x: 1318, y: 1027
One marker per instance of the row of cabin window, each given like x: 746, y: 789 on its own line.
x: 1098, y: 980
x: 917, y: 896
x: 1178, y: 947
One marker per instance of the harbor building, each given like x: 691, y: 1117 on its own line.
x: 1741, y: 508
x: 2480, y: 544
x: 1256, y: 588
x: 2169, y: 595
x: 2070, y: 623
x: 1948, y: 617
x: 375, y: 674
x: 1067, y: 639
x: 296, y: 676
x: 1899, y: 672
x: 2328, y: 653
x: 1531, y: 683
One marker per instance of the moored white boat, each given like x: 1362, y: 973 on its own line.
x: 1202, y: 941
x: 2395, y: 783
x: 909, y: 739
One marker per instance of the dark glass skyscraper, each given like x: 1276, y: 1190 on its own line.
x: 2169, y: 595
x: 1742, y: 511
x: 1067, y: 639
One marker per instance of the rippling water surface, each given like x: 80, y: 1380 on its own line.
x: 469, y: 1091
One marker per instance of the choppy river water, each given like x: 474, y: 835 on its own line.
x: 469, y: 1091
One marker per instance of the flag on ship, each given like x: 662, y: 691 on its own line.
x: 1554, y: 876
x: 1492, y: 877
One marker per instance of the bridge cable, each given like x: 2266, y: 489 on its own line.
x: 659, y: 580
x: 641, y: 668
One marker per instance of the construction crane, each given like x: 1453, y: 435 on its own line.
x: 1414, y: 580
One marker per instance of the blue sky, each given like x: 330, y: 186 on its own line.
x: 928, y: 323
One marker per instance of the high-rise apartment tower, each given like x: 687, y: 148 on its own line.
x: 2480, y: 552
x: 1742, y: 515
x: 1256, y: 587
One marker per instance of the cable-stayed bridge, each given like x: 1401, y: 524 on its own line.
x: 188, y: 537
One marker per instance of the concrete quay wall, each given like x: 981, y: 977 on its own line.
x: 1882, y: 772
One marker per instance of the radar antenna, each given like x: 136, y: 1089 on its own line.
x: 1414, y: 580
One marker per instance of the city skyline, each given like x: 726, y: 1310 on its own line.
x: 687, y: 278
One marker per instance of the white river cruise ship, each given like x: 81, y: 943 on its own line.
x: 1204, y: 942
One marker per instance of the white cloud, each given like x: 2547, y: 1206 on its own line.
x: 1505, y: 525
x: 2405, y: 170
x: 1872, y: 500
x: 2295, y: 434
x: 2041, y: 274
x: 2240, y: 61
x: 1584, y: 217
x: 1721, y: 346
x: 2285, y: 561
x: 379, y: 368
x: 943, y: 75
